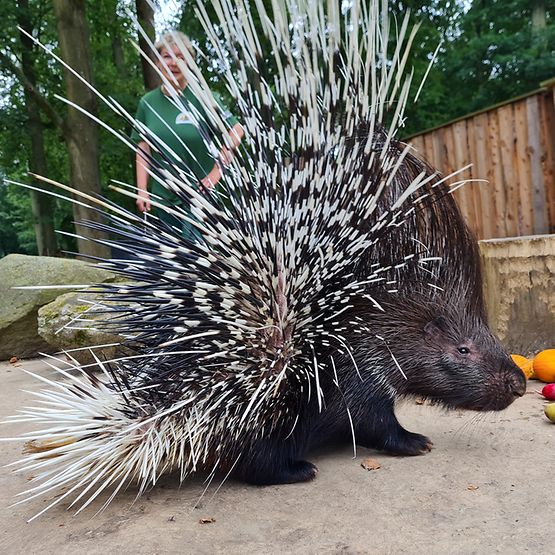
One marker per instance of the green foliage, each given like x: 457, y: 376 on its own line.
x: 17, y: 229
x: 490, y: 51
x: 116, y: 71
x: 437, y: 21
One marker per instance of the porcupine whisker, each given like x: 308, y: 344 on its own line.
x: 469, y: 423
x: 392, y: 356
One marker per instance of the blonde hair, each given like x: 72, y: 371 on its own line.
x: 174, y: 37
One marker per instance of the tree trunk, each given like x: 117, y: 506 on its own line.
x: 539, y: 16
x: 117, y: 52
x: 42, y: 204
x: 80, y: 131
x: 145, y: 15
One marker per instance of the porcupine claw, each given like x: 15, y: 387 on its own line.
x: 295, y: 471
x: 411, y: 444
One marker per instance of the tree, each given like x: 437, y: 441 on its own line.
x: 118, y: 75
x: 79, y: 131
x: 42, y: 204
x: 501, y: 49
x: 145, y: 17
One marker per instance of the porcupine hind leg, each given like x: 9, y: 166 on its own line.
x: 377, y: 427
x: 276, y: 462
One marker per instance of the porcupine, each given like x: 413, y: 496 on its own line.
x: 316, y: 297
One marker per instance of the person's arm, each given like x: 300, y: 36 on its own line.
x: 142, y: 165
x: 236, y: 134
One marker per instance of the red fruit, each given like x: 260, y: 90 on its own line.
x: 549, y: 391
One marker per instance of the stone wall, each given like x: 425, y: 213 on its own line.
x: 519, y: 286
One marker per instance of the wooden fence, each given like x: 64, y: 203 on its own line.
x: 512, y: 146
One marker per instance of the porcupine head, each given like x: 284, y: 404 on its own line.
x: 433, y: 343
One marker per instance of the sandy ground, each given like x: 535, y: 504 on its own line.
x: 487, y: 487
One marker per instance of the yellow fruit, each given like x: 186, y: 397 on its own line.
x: 550, y: 411
x: 525, y: 364
x: 544, y: 366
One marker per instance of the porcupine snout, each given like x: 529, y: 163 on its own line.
x: 510, y: 382
x: 503, y: 383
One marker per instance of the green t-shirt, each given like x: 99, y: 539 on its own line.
x: 181, y: 130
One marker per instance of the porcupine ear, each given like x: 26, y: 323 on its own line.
x: 438, y: 326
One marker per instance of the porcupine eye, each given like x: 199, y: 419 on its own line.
x: 463, y: 350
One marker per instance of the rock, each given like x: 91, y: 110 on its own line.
x: 72, y: 322
x: 19, y: 307
x: 519, y: 288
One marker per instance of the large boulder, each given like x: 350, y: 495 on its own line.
x: 19, y: 307
x: 73, y: 322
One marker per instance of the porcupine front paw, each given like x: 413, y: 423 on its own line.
x: 408, y: 443
x: 295, y: 471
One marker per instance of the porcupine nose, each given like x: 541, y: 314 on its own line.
x: 518, y: 384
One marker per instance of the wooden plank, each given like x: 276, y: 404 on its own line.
x: 481, y: 158
x: 525, y: 208
x: 459, y: 156
x: 429, y: 149
x: 438, y: 148
x: 496, y: 177
x: 448, y: 150
x: 508, y: 164
x: 513, y: 146
x: 473, y: 188
x: 448, y: 162
x: 538, y: 185
x: 418, y: 144
x: 547, y: 111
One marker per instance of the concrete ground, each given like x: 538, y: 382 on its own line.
x: 487, y: 487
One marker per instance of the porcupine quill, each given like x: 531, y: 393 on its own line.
x: 238, y: 334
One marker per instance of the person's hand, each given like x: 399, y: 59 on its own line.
x: 210, y: 181
x: 143, y: 201
x: 226, y: 156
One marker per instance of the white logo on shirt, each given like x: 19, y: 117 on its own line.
x: 184, y: 118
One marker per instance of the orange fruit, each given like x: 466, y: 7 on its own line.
x: 544, y: 366
x: 525, y: 364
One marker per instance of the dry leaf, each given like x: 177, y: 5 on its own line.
x: 420, y: 400
x: 370, y: 464
x: 13, y: 360
x: 472, y: 487
x: 207, y: 520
